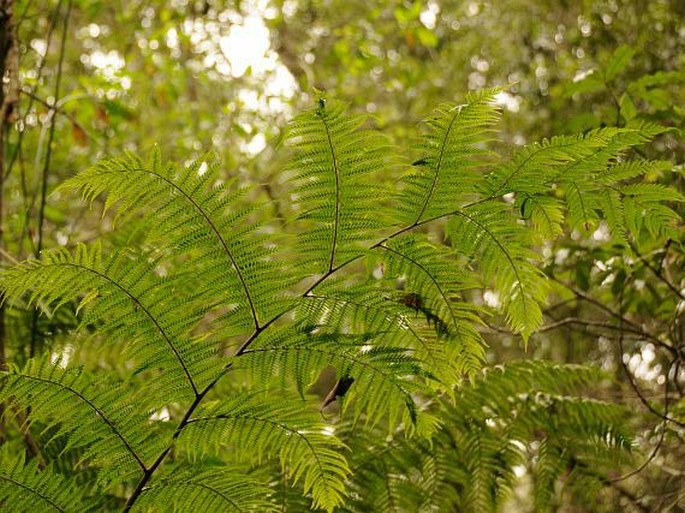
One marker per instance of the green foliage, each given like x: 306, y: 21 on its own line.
x: 225, y: 317
x: 26, y: 487
x: 206, y: 489
x: 526, y: 417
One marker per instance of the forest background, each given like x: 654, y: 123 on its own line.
x: 84, y: 79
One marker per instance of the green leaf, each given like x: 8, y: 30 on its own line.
x: 628, y: 109
x: 618, y: 62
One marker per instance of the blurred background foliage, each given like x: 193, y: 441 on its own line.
x: 97, y: 77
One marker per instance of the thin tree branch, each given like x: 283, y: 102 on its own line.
x: 623, y: 321
x: 657, y: 273
x: 664, y: 416
x: 39, y: 75
x: 63, y: 112
x: 46, y: 167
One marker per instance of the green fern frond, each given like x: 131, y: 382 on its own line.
x: 259, y: 428
x: 352, y: 283
x: 102, y: 416
x: 587, y: 171
x: 509, y: 417
x: 545, y: 213
x: 453, y: 153
x: 386, y: 377
x: 24, y: 488
x: 521, y: 403
x: 208, y: 490
x: 503, y: 249
x: 489, y: 462
x: 433, y: 288
x: 549, y: 465
x: 530, y: 169
x: 386, y: 319
x: 122, y: 295
x: 197, y: 215
x: 644, y: 205
x: 333, y: 186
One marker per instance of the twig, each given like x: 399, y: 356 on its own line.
x: 657, y: 273
x: 664, y: 416
x: 634, y: 328
x: 638, y: 392
x: 63, y: 112
x: 46, y: 168
x: 39, y: 75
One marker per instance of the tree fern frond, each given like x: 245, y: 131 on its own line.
x: 208, y: 490
x: 521, y: 402
x: 331, y: 170
x: 510, y: 415
x: 489, y: 233
x: 363, y: 310
x: 203, y: 222
x: 100, y: 416
x: 531, y: 168
x: 353, y: 283
x: 24, y: 488
x: 434, y: 288
x: 385, y: 470
x: 629, y: 169
x: 287, y: 429
x: 452, y: 156
x: 124, y: 296
x: 488, y: 461
x: 386, y: 377
x: 545, y: 212
x: 644, y: 205
x: 549, y: 465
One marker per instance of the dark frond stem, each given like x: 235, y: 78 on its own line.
x: 386, y: 484
x: 645, y: 463
x: 336, y: 172
x: 284, y: 472
x: 147, y: 473
x: 191, y: 409
x: 199, y: 397
x: 46, y: 168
